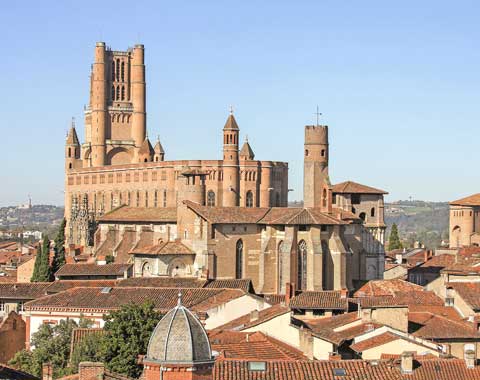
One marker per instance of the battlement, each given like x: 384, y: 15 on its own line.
x: 316, y: 134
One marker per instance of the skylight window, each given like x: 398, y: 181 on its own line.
x: 339, y: 372
x: 257, y: 366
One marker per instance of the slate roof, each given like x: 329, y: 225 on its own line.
x: 164, y: 299
x: 163, y: 248
x: 140, y: 214
x: 328, y: 299
x: 472, y: 200
x: 93, y: 270
x: 350, y: 187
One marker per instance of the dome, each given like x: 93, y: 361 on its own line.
x: 179, y: 337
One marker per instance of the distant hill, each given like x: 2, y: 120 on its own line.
x: 426, y: 222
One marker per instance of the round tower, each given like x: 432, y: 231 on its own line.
x: 99, y: 105
x: 179, y: 348
x: 315, y: 177
x: 231, y: 184
x: 138, y: 96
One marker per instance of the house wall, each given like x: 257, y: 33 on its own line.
x: 322, y: 348
x: 279, y: 328
x: 396, y: 347
x: 12, y: 336
x: 233, y: 309
x: 25, y: 271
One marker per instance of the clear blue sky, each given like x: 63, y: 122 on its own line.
x: 398, y: 84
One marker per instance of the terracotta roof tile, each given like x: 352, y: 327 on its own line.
x: 163, y: 282
x: 350, y: 187
x: 246, y: 321
x: 469, y: 291
x: 253, y: 346
x: 329, y: 299
x: 26, y: 291
x: 93, y: 270
x: 472, y: 200
x: 163, y: 248
x: 375, y: 341
x: 438, y: 327
x: 101, y: 299
x: 140, y: 214
x: 62, y: 285
x: 274, y: 299
x: 244, y: 284
x: 386, y: 288
x: 9, y: 373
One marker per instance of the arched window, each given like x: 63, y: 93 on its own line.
x: 113, y: 71
x: 146, y: 198
x: 164, y: 198
x: 211, y: 198
x: 324, y: 198
x: 128, y: 198
x: 306, y: 152
x: 146, y: 270
x: 145, y: 160
x: 362, y: 216
x: 118, y: 70
x: 239, y: 259
x: 372, y: 212
x: 113, y: 93
x: 155, y: 199
x: 111, y: 201
x: 302, y: 265
x: 281, y: 280
x: 123, y: 92
x: 123, y: 71
x: 117, y: 95
x: 138, y: 199
x: 69, y: 152
x: 249, y: 199
x: 70, y: 165
x: 120, y: 198
x: 323, y: 153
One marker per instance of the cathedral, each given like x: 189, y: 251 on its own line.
x: 225, y: 218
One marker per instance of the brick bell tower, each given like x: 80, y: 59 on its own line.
x: 231, y: 178
x: 316, y: 182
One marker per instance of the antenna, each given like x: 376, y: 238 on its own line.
x: 318, y: 114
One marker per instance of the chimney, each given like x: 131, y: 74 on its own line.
x: 253, y: 315
x: 91, y: 371
x: 343, y: 293
x: 289, y: 292
x: 398, y: 258
x: 470, y: 358
x: 406, y: 363
x: 47, y: 371
x: 426, y: 256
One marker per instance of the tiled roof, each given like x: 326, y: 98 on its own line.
x: 469, y: 291
x: 247, y: 151
x: 61, y: 285
x: 375, y: 341
x: 329, y: 299
x: 350, y: 187
x: 9, y: 373
x: 146, y: 147
x: 141, y: 214
x: 231, y: 123
x: 252, y: 346
x: 164, y: 248
x: 72, y: 138
x: 386, y: 288
x: 26, y: 291
x: 164, y: 299
x: 163, y: 282
x: 244, y: 284
x: 306, y: 370
x: 472, y: 200
x: 93, y: 270
x: 8, y: 276
x: 274, y: 299
x: 246, y: 321
x: 403, y: 298
x: 158, y: 147
x: 435, y: 264
x: 438, y: 327
x: 259, y: 215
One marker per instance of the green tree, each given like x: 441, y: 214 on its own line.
x: 36, y: 266
x: 127, y: 332
x: 86, y: 351
x: 59, y: 256
x: 394, y: 240
x: 51, y: 345
x: 44, y: 268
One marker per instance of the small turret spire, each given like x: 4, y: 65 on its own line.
x: 179, y: 302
